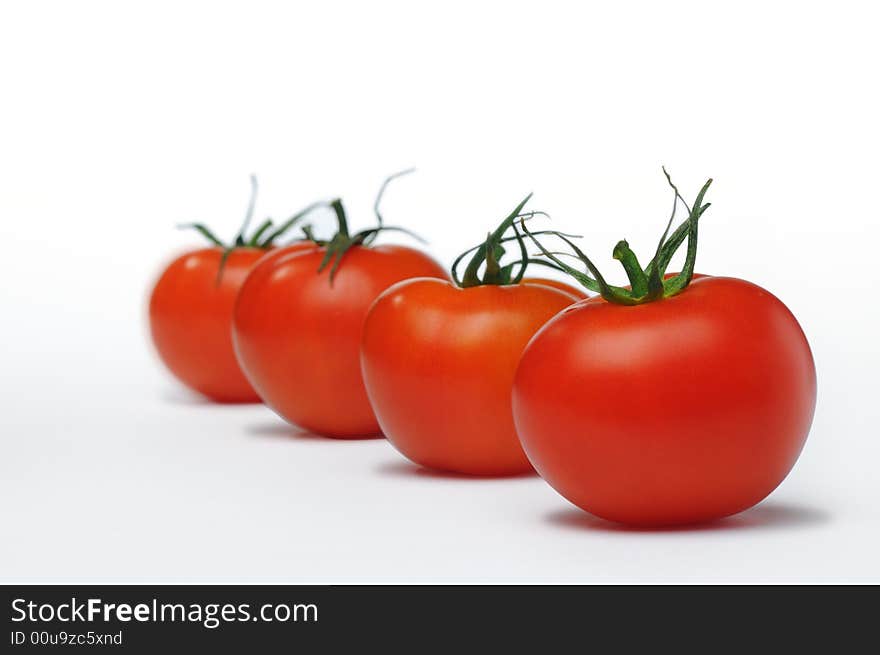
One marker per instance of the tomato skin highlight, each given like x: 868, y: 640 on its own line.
x: 438, y: 362
x: 298, y: 337
x: 190, y: 316
x: 677, y: 411
x: 574, y: 292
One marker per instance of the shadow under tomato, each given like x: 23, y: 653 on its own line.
x: 767, y: 515
x: 191, y: 398
x: 183, y: 397
x: 407, y: 469
x: 281, y: 430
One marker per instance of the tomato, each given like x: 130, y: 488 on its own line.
x: 438, y: 362
x: 574, y: 292
x: 191, y: 305
x: 191, y: 317
x: 298, y: 336
x: 682, y: 410
x: 299, y: 318
x: 681, y: 404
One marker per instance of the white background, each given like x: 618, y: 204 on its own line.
x: 119, y: 120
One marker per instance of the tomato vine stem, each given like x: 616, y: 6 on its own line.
x: 259, y: 239
x: 343, y: 241
x: 489, y: 253
x: 646, y: 284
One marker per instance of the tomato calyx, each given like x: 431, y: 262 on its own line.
x: 646, y: 284
x: 263, y: 237
x: 489, y: 253
x: 343, y: 240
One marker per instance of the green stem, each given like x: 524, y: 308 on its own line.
x: 679, y: 282
x: 504, y: 240
x: 341, y: 220
x: 289, y: 223
x: 471, y: 277
x: 646, y: 284
x: 240, y: 239
x: 343, y: 240
x: 655, y: 269
x: 675, y: 241
x: 638, y: 281
x: 254, y: 241
x: 204, y: 231
x: 492, y: 274
x: 490, y: 253
x: 524, y: 257
x: 258, y: 239
x: 378, y: 201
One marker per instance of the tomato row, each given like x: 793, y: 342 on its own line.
x: 676, y: 399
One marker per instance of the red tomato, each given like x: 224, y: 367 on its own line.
x: 297, y: 336
x: 191, y: 306
x: 686, y: 409
x: 574, y: 292
x: 438, y: 361
x: 191, y: 318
